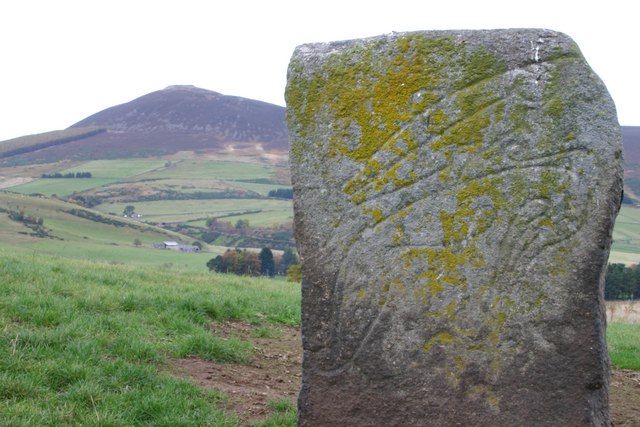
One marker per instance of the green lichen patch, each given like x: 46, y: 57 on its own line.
x: 375, y: 103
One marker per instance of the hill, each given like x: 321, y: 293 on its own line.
x: 631, y: 141
x: 202, y: 163
x: 29, y: 143
x: 178, y: 118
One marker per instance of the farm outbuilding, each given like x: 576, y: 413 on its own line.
x: 175, y: 246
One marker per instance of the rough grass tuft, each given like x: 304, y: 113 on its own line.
x: 624, y: 345
x: 86, y: 343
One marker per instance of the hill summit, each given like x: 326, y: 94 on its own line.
x: 177, y: 118
x: 199, y: 112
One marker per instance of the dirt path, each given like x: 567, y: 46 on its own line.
x: 274, y: 374
x: 624, y: 396
x: 12, y: 182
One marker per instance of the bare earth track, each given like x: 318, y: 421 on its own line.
x: 274, y: 374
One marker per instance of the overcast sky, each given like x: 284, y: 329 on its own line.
x: 64, y: 60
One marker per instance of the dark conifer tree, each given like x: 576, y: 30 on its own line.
x: 267, y: 264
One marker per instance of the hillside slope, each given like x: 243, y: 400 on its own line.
x: 631, y: 141
x: 178, y: 118
x: 55, y: 227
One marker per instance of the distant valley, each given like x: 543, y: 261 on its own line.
x: 207, y: 168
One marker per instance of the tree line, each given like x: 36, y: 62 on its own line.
x: 250, y: 263
x: 622, y: 282
x: 66, y: 175
x: 281, y: 193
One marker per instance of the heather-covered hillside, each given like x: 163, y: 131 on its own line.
x: 178, y: 118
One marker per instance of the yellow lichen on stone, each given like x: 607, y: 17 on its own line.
x: 443, y: 338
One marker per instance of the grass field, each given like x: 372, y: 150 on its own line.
x: 262, y: 189
x: 105, y: 172
x: 194, y: 181
x: 88, y: 343
x: 271, y: 211
x: 82, y: 238
x: 626, y: 237
x: 624, y: 345
x: 205, y: 169
x: 117, y: 169
x: 61, y: 187
x: 124, y: 254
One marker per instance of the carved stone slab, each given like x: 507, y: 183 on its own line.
x: 454, y: 197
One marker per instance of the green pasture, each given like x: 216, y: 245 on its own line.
x: 70, y: 228
x: 262, y: 189
x: 63, y: 224
x: 88, y: 343
x: 190, y: 210
x: 117, y: 169
x: 627, y: 258
x: 10, y: 232
x: 626, y: 237
x: 267, y: 218
x: 624, y: 345
x: 125, y: 254
x: 81, y: 238
x: 103, y: 173
x: 208, y: 169
x: 118, y: 179
x: 60, y: 186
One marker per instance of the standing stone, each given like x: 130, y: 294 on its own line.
x: 455, y: 193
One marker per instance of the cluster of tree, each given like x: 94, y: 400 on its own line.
x: 88, y: 201
x: 129, y: 210
x: 24, y: 218
x: 36, y: 224
x: 281, y: 193
x: 622, y: 282
x: 167, y: 194
x: 250, y: 263
x: 127, y: 195
x: 104, y: 219
x: 66, y: 175
x: 242, y: 234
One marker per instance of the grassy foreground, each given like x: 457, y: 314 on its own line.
x: 624, y: 345
x: 85, y: 343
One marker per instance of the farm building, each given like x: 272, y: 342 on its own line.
x: 175, y: 246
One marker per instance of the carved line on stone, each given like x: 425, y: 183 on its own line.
x: 434, y: 137
x: 456, y: 187
x: 499, y: 270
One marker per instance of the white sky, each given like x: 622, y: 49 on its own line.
x: 64, y: 60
